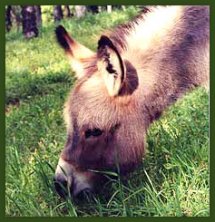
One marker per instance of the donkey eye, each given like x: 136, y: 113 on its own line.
x: 94, y: 132
x: 88, y: 133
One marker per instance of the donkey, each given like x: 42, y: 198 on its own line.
x: 139, y: 69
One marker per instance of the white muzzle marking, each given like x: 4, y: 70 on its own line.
x: 77, y: 180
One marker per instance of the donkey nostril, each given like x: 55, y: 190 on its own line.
x: 86, y: 194
x: 61, y: 187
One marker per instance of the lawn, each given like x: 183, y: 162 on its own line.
x: 174, y: 177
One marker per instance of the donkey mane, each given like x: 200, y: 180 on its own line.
x: 155, y: 24
x: 121, y: 31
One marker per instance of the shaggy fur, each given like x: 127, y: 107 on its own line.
x: 139, y: 70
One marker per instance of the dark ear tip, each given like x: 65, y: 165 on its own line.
x: 60, y: 33
x: 104, y: 41
x: 60, y: 30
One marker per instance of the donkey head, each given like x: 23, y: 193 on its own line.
x: 104, y: 126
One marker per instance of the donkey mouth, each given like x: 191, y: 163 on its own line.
x: 70, y: 182
x: 75, y: 189
x: 61, y: 188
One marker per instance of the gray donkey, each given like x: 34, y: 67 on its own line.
x: 139, y: 69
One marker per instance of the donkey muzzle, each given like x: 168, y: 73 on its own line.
x: 69, y: 181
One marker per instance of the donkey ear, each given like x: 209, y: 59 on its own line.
x: 76, y: 52
x: 110, y: 65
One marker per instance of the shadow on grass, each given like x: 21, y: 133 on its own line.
x: 24, y: 86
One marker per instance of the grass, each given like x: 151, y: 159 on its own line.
x: 174, y: 177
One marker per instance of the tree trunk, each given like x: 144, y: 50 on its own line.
x: 109, y: 8
x: 99, y: 8
x: 123, y: 7
x: 58, y: 14
x: 93, y: 8
x: 8, y: 18
x: 16, y: 16
x: 67, y: 11
x: 38, y: 15
x: 29, y: 23
x: 80, y: 10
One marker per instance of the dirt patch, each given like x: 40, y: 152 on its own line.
x: 12, y: 103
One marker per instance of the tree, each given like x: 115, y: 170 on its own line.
x: 93, y: 8
x: 109, y: 8
x: 80, y: 10
x: 29, y: 23
x: 58, y: 14
x: 67, y: 11
x: 16, y: 16
x: 99, y: 8
x: 123, y: 7
x: 38, y: 15
x: 8, y: 18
